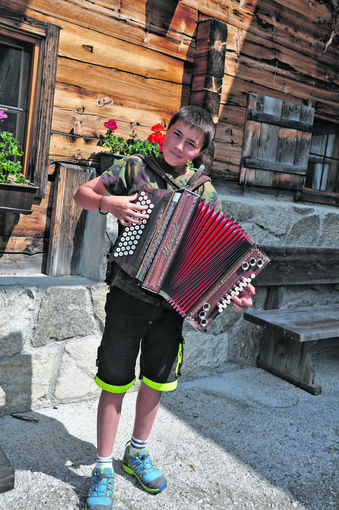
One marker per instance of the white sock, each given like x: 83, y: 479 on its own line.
x: 136, y: 444
x: 104, y: 462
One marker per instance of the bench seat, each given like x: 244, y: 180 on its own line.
x: 289, y: 336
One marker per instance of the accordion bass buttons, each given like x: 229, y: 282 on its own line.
x: 203, y: 315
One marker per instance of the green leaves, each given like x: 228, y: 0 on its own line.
x: 133, y: 145
x: 119, y: 145
x: 10, y: 169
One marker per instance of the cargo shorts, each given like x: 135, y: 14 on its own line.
x: 132, y: 324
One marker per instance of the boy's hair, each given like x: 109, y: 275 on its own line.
x: 198, y: 118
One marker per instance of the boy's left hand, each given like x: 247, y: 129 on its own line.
x: 244, y: 298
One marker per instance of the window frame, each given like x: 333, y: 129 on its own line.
x: 43, y: 77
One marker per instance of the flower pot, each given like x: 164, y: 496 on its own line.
x: 107, y: 160
x: 17, y: 198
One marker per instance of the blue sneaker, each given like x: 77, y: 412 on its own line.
x: 140, y: 465
x: 100, y: 496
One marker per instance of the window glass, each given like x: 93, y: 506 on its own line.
x: 323, y: 166
x: 15, y: 73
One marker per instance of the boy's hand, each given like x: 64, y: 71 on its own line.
x: 125, y: 210
x: 244, y: 298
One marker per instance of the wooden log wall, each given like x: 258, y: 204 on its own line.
x: 112, y: 63
x: 274, y: 48
x: 133, y: 61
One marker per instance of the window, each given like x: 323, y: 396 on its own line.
x: 17, y: 58
x: 323, y: 162
x: 28, y: 60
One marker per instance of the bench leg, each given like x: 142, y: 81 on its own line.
x: 6, y: 473
x: 289, y: 360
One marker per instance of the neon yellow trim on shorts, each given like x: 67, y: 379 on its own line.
x: 111, y: 388
x: 179, y: 359
x: 170, y: 386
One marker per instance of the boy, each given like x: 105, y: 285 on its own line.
x: 132, y: 312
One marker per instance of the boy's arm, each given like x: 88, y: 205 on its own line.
x: 93, y: 193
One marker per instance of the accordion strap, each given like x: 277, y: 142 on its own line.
x: 195, y: 181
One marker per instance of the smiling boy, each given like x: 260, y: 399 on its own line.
x: 136, y: 318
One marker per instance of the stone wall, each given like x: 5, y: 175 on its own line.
x: 50, y: 328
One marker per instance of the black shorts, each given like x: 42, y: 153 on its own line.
x: 130, y: 323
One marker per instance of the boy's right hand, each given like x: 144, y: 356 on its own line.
x: 124, y: 209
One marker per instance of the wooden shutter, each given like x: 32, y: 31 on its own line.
x: 276, y: 143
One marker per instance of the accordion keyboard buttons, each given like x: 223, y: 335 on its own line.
x: 131, y: 235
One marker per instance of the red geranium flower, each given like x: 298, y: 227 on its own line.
x: 157, y: 138
x: 157, y: 127
x: 111, y: 124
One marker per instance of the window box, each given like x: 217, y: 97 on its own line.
x: 17, y: 198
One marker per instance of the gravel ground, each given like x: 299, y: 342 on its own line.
x: 240, y: 440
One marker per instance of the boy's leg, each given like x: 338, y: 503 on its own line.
x: 109, y: 410
x: 136, y: 460
x: 102, y: 487
x: 147, y: 405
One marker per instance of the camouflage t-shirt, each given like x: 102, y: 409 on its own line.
x: 128, y: 176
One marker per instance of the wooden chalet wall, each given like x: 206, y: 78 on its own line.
x: 133, y: 61
x: 274, y: 48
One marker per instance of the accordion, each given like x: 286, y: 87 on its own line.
x: 195, y: 257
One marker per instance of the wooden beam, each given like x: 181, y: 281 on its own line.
x: 291, y: 265
x: 208, y: 72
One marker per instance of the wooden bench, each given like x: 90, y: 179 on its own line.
x: 290, y: 334
x: 6, y: 470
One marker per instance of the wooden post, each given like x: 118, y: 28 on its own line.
x: 208, y: 73
x: 67, y: 222
x: 288, y: 359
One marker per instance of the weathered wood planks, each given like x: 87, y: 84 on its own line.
x: 66, y: 219
x: 6, y: 473
x: 303, y: 324
x: 295, y: 265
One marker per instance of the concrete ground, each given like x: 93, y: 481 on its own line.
x: 239, y: 440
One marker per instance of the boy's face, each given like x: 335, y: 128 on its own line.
x: 182, y: 144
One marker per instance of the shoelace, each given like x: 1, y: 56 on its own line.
x: 143, y: 463
x: 102, y: 485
